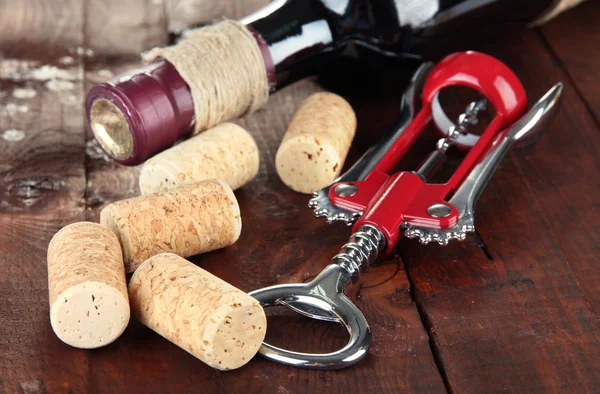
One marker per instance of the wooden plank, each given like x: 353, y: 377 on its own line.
x: 42, y: 186
x: 575, y: 40
x: 526, y: 322
x: 184, y: 13
x: 124, y: 27
x: 48, y: 24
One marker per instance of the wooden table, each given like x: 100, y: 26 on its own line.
x: 523, y: 319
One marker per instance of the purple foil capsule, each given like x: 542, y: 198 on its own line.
x: 138, y: 114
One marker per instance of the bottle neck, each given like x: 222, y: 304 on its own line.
x: 298, y: 37
x: 302, y: 35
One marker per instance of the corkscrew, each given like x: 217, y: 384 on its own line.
x: 381, y: 206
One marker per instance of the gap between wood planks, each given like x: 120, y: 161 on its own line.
x: 568, y: 75
x: 425, y: 319
x: 86, y: 161
x: 570, y: 80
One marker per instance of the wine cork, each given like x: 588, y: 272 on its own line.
x: 204, y: 315
x: 187, y: 220
x: 226, y: 152
x: 313, y: 150
x: 89, y: 306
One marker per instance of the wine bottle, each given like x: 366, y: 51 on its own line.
x: 137, y: 114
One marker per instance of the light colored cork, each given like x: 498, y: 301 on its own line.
x: 224, y: 68
x: 314, y: 148
x: 226, y: 152
x: 89, y: 306
x: 204, y: 315
x: 187, y: 220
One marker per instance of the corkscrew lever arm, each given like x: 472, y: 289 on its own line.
x: 467, y: 194
x: 532, y: 122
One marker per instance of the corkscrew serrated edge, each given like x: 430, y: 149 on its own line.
x: 442, y: 237
x: 323, y: 207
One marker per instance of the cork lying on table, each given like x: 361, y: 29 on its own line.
x: 89, y: 306
x: 313, y: 150
x: 226, y: 152
x: 187, y: 220
x: 204, y: 315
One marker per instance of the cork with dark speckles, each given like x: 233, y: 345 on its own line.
x: 186, y: 220
x: 89, y: 306
x: 314, y: 148
x: 226, y: 152
x: 204, y: 315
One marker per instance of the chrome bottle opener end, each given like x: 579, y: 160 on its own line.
x: 323, y: 298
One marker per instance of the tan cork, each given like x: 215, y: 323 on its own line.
x: 89, y: 306
x: 313, y: 150
x: 187, y: 220
x: 226, y: 152
x: 204, y: 315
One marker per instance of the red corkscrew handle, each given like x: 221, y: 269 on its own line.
x: 390, y: 200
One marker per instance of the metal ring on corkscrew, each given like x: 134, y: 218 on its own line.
x: 381, y: 206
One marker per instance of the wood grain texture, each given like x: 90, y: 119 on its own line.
x: 50, y: 24
x: 570, y: 36
x: 527, y: 321
x: 42, y: 187
x: 124, y: 27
